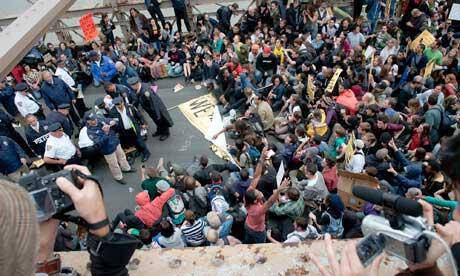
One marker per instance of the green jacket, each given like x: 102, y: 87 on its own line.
x: 450, y: 204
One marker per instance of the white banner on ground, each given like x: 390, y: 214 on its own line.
x: 280, y: 174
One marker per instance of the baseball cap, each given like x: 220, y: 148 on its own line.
x: 267, y: 50
x: 64, y: 106
x: 54, y: 127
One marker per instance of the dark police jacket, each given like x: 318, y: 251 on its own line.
x: 66, y: 123
x: 37, y: 140
x: 107, y: 143
x: 127, y: 94
x: 57, y: 93
x: 10, y: 157
x: 5, y: 123
x: 153, y: 105
x: 133, y: 114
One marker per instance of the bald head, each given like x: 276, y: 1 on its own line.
x: 47, y: 76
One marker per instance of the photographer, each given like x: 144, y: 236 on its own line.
x: 19, y: 236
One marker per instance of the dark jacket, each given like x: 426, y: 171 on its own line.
x: 125, y: 75
x: 37, y: 140
x: 107, y: 143
x: 134, y: 115
x: 57, y: 93
x: 179, y: 5
x: 10, y: 157
x: 224, y: 15
x: 5, y: 123
x: 66, y: 123
x: 127, y: 94
x: 153, y: 105
x: 269, y: 63
x: 211, y: 72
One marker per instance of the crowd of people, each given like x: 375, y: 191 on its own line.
x: 306, y: 91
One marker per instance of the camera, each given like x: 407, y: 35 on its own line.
x: 401, y: 231
x: 49, y: 200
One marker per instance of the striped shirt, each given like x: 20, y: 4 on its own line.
x: 193, y: 234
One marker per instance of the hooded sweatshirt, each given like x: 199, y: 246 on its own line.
x: 150, y: 212
x: 413, y: 178
x: 348, y: 99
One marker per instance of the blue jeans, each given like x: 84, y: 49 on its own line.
x: 97, y: 82
x: 175, y: 71
x: 252, y: 237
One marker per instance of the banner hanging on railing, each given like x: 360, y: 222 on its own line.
x: 90, y: 32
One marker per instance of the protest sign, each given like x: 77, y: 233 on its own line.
x: 90, y: 32
x: 333, y: 80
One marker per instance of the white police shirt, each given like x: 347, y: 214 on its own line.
x: 25, y: 104
x: 83, y: 139
x: 61, y: 148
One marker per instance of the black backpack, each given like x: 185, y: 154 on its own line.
x: 194, y: 204
x: 445, y: 127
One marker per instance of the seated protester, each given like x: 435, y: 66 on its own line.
x: 150, y: 177
x: 313, y: 187
x: 370, y: 144
x: 434, y: 178
x: 195, y: 196
x: 192, y: 230
x: 290, y: 146
x: 330, y: 219
x: 330, y: 175
x: 347, y: 99
x: 221, y: 222
x: 203, y: 174
x: 357, y: 161
x: 411, y: 179
x: 383, y: 125
x: 210, y: 70
x: 212, y: 236
x: 126, y: 220
x: 282, y: 214
x: 303, y: 230
x: 339, y: 143
x: 275, y: 96
x: 176, y: 61
x: 150, y: 212
x: 239, y: 184
x: 451, y: 205
x: 169, y: 236
x: 317, y: 123
x: 175, y: 207
x: 243, y: 157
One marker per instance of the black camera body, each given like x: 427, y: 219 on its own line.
x: 48, y: 198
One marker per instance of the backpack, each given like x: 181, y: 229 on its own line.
x: 219, y: 204
x: 176, y: 208
x: 254, y: 154
x: 194, y: 204
x: 445, y: 126
x: 215, y: 190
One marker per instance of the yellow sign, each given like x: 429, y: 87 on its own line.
x: 425, y: 38
x: 428, y: 69
x: 350, y: 148
x: 333, y: 80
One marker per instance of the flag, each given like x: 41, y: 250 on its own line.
x: 428, y: 69
x: 333, y: 80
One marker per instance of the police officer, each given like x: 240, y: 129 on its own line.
x: 56, y: 92
x: 101, y: 108
x: 101, y: 132
x: 12, y: 158
x: 130, y: 124
x: 59, y: 148
x: 154, y: 106
x: 7, y: 97
x: 26, y: 103
x: 7, y: 129
x: 37, y: 134
x: 61, y: 116
x: 119, y: 90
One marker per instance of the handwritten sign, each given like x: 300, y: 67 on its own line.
x: 333, y: 80
x: 90, y: 32
x: 428, y: 69
x: 280, y: 174
x: 425, y: 38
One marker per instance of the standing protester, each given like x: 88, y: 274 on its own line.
x: 154, y: 106
x: 100, y: 131
x: 224, y: 16
x: 130, y: 125
x: 155, y: 11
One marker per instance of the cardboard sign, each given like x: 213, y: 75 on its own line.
x: 310, y: 89
x: 428, y: 69
x: 47, y: 58
x: 455, y: 12
x: 280, y: 174
x: 90, y: 32
x: 425, y: 38
x: 333, y: 80
x: 347, y: 181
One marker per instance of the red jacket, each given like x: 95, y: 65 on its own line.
x: 348, y: 100
x: 150, y: 212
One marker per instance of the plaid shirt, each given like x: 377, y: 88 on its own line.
x: 292, y: 209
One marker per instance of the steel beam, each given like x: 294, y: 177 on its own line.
x: 19, y: 36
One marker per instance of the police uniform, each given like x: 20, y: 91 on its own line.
x: 108, y: 145
x: 155, y: 107
x: 127, y: 94
x: 89, y: 151
x: 6, y: 129
x: 64, y: 121
x: 7, y: 99
x: 10, y: 158
x: 37, y: 136
x: 27, y: 104
x: 128, y: 127
x: 61, y: 148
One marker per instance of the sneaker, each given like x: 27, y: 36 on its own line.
x: 164, y: 137
x: 121, y: 181
x: 145, y: 157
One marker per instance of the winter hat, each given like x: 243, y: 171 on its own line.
x: 162, y: 186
